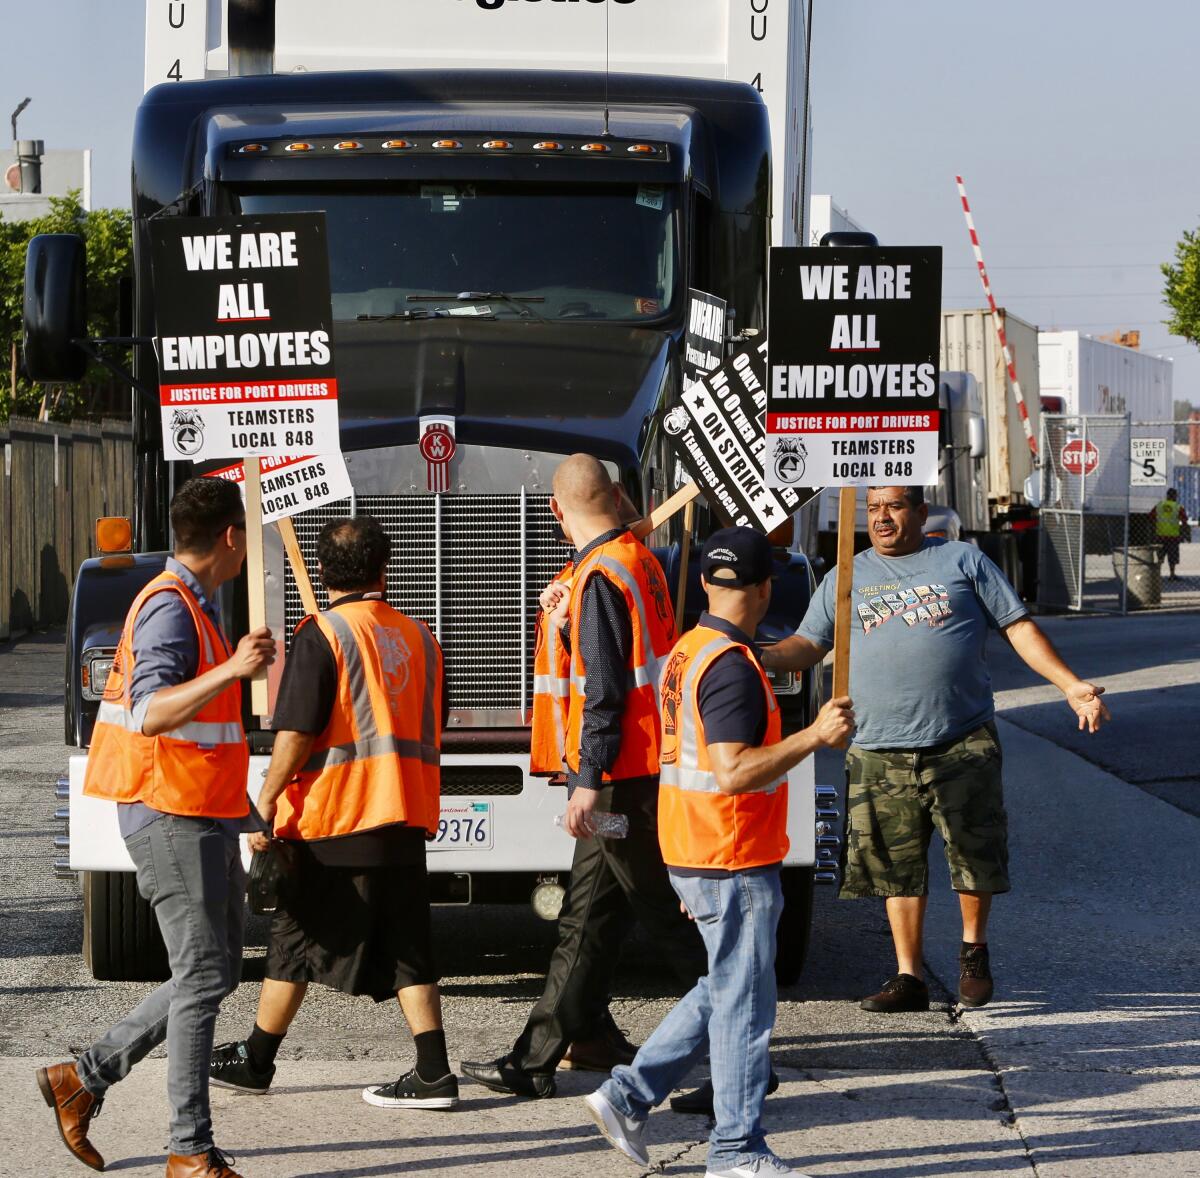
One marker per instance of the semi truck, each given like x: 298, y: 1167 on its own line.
x: 563, y: 173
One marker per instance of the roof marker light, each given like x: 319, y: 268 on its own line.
x: 299, y: 147
x: 252, y: 148
x: 596, y: 148
x: 347, y: 145
x: 548, y: 145
x: 396, y: 145
x: 497, y: 145
x: 446, y: 145
x: 642, y: 149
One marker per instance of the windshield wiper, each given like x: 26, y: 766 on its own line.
x: 515, y: 302
x: 437, y: 313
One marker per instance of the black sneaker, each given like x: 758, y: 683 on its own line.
x: 901, y: 993
x: 410, y: 1091
x: 230, y: 1067
x: 974, y: 976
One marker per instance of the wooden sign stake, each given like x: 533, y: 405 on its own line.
x: 689, y: 513
x: 296, y: 559
x: 665, y: 510
x: 847, y: 498
x: 256, y: 589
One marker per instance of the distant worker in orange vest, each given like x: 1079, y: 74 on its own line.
x: 353, y: 791
x: 621, y: 627
x: 722, y: 825
x: 604, y: 1045
x: 169, y: 748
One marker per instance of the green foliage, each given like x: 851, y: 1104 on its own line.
x: 109, y: 237
x: 1182, y: 289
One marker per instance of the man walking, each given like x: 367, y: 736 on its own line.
x: 353, y: 790
x: 168, y: 747
x: 621, y: 627
x: 723, y: 831
x: 927, y: 752
x: 1169, y: 521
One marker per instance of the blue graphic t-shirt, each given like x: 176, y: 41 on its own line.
x: 918, y: 675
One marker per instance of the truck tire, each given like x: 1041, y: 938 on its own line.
x: 795, y: 925
x: 121, y: 941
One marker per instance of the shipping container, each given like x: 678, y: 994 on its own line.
x: 1093, y: 376
x: 969, y: 344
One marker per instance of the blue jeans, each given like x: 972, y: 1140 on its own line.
x: 731, y: 1013
x: 191, y: 872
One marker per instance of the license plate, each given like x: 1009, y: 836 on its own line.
x: 465, y: 827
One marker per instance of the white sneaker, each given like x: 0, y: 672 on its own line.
x: 767, y: 1166
x: 623, y: 1133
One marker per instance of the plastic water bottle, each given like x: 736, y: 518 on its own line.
x: 602, y: 824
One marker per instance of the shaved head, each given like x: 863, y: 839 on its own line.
x: 581, y: 484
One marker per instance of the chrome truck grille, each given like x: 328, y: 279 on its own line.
x: 471, y: 567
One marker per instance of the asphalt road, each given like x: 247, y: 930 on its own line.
x: 1085, y: 1065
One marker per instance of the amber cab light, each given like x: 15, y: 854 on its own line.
x: 348, y: 145
x: 396, y: 145
x: 113, y: 534
x: 299, y: 147
x: 252, y: 148
x: 548, y: 145
x: 642, y: 149
x: 497, y: 145
x: 446, y: 144
x: 596, y: 148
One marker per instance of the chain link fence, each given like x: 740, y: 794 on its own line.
x: 1086, y: 557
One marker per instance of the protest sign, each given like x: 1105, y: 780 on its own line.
x: 853, y: 388
x: 244, y: 347
x: 704, y: 342
x: 293, y: 485
x: 717, y: 432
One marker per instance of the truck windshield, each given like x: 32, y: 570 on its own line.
x: 606, y: 252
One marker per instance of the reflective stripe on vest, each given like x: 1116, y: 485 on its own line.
x: 198, y: 768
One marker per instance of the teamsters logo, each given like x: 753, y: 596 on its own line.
x: 790, y: 456
x: 676, y: 421
x: 187, y: 431
x: 394, y: 656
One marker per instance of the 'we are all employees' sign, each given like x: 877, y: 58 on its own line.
x: 852, y: 391
x: 244, y: 353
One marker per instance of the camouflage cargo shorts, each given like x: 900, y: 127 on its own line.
x: 894, y: 799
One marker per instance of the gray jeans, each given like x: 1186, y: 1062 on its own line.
x: 191, y: 873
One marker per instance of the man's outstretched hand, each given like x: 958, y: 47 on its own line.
x: 1086, y: 703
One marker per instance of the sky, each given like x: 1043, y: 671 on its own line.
x: 1072, y: 122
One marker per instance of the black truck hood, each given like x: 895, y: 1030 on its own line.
x: 546, y: 386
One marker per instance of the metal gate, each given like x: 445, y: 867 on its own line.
x: 1084, y: 549
x: 1165, y: 456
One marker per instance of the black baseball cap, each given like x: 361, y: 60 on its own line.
x: 737, y: 557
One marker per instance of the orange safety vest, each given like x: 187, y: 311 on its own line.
x: 551, y: 696
x: 633, y: 569
x: 197, y: 769
x: 377, y: 763
x: 698, y: 825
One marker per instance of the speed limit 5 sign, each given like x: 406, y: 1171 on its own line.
x: 1147, y: 462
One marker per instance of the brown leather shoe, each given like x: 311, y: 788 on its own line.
x: 213, y: 1164
x: 602, y: 1052
x: 899, y: 994
x: 974, y: 975
x: 74, y: 1107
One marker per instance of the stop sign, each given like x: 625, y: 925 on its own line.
x: 1078, y: 459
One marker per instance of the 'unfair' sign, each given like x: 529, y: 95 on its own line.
x: 717, y: 433
x: 244, y: 352
x: 853, y: 390
x: 293, y: 485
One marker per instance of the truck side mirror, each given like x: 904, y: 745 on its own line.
x: 977, y: 436
x: 55, y: 310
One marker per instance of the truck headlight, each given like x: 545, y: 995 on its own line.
x: 93, y: 672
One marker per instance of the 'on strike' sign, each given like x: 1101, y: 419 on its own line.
x: 853, y: 366
x: 244, y: 352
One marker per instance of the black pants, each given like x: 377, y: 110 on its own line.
x: 613, y: 883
